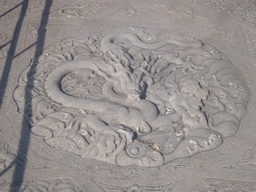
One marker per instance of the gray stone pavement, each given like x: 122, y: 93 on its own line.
x: 128, y: 95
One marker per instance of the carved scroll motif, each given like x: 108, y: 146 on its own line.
x: 134, y: 98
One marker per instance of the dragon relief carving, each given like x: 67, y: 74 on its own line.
x: 133, y: 98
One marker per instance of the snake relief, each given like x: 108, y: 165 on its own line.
x: 130, y: 98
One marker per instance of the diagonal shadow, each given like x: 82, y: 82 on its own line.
x: 10, y: 57
x: 11, y: 51
x: 2, y: 46
x: 25, y: 133
x: 10, y: 10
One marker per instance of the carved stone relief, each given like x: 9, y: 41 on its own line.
x: 224, y: 185
x: 9, y: 17
x: 5, y: 38
x: 247, y: 162
x: 131, y: 12
x: 127, y: 97
x: 135, y: 187
x: 244, y: 10
x: 38, y: 6
x: 121, y: 100
x: 250, y: 39
x: 57, y: 185
x: 189, y: 15
x: 181, y: 12
x: 6, y: 155
x: 83, y: 11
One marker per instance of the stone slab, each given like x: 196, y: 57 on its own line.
x: 127, y: 96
